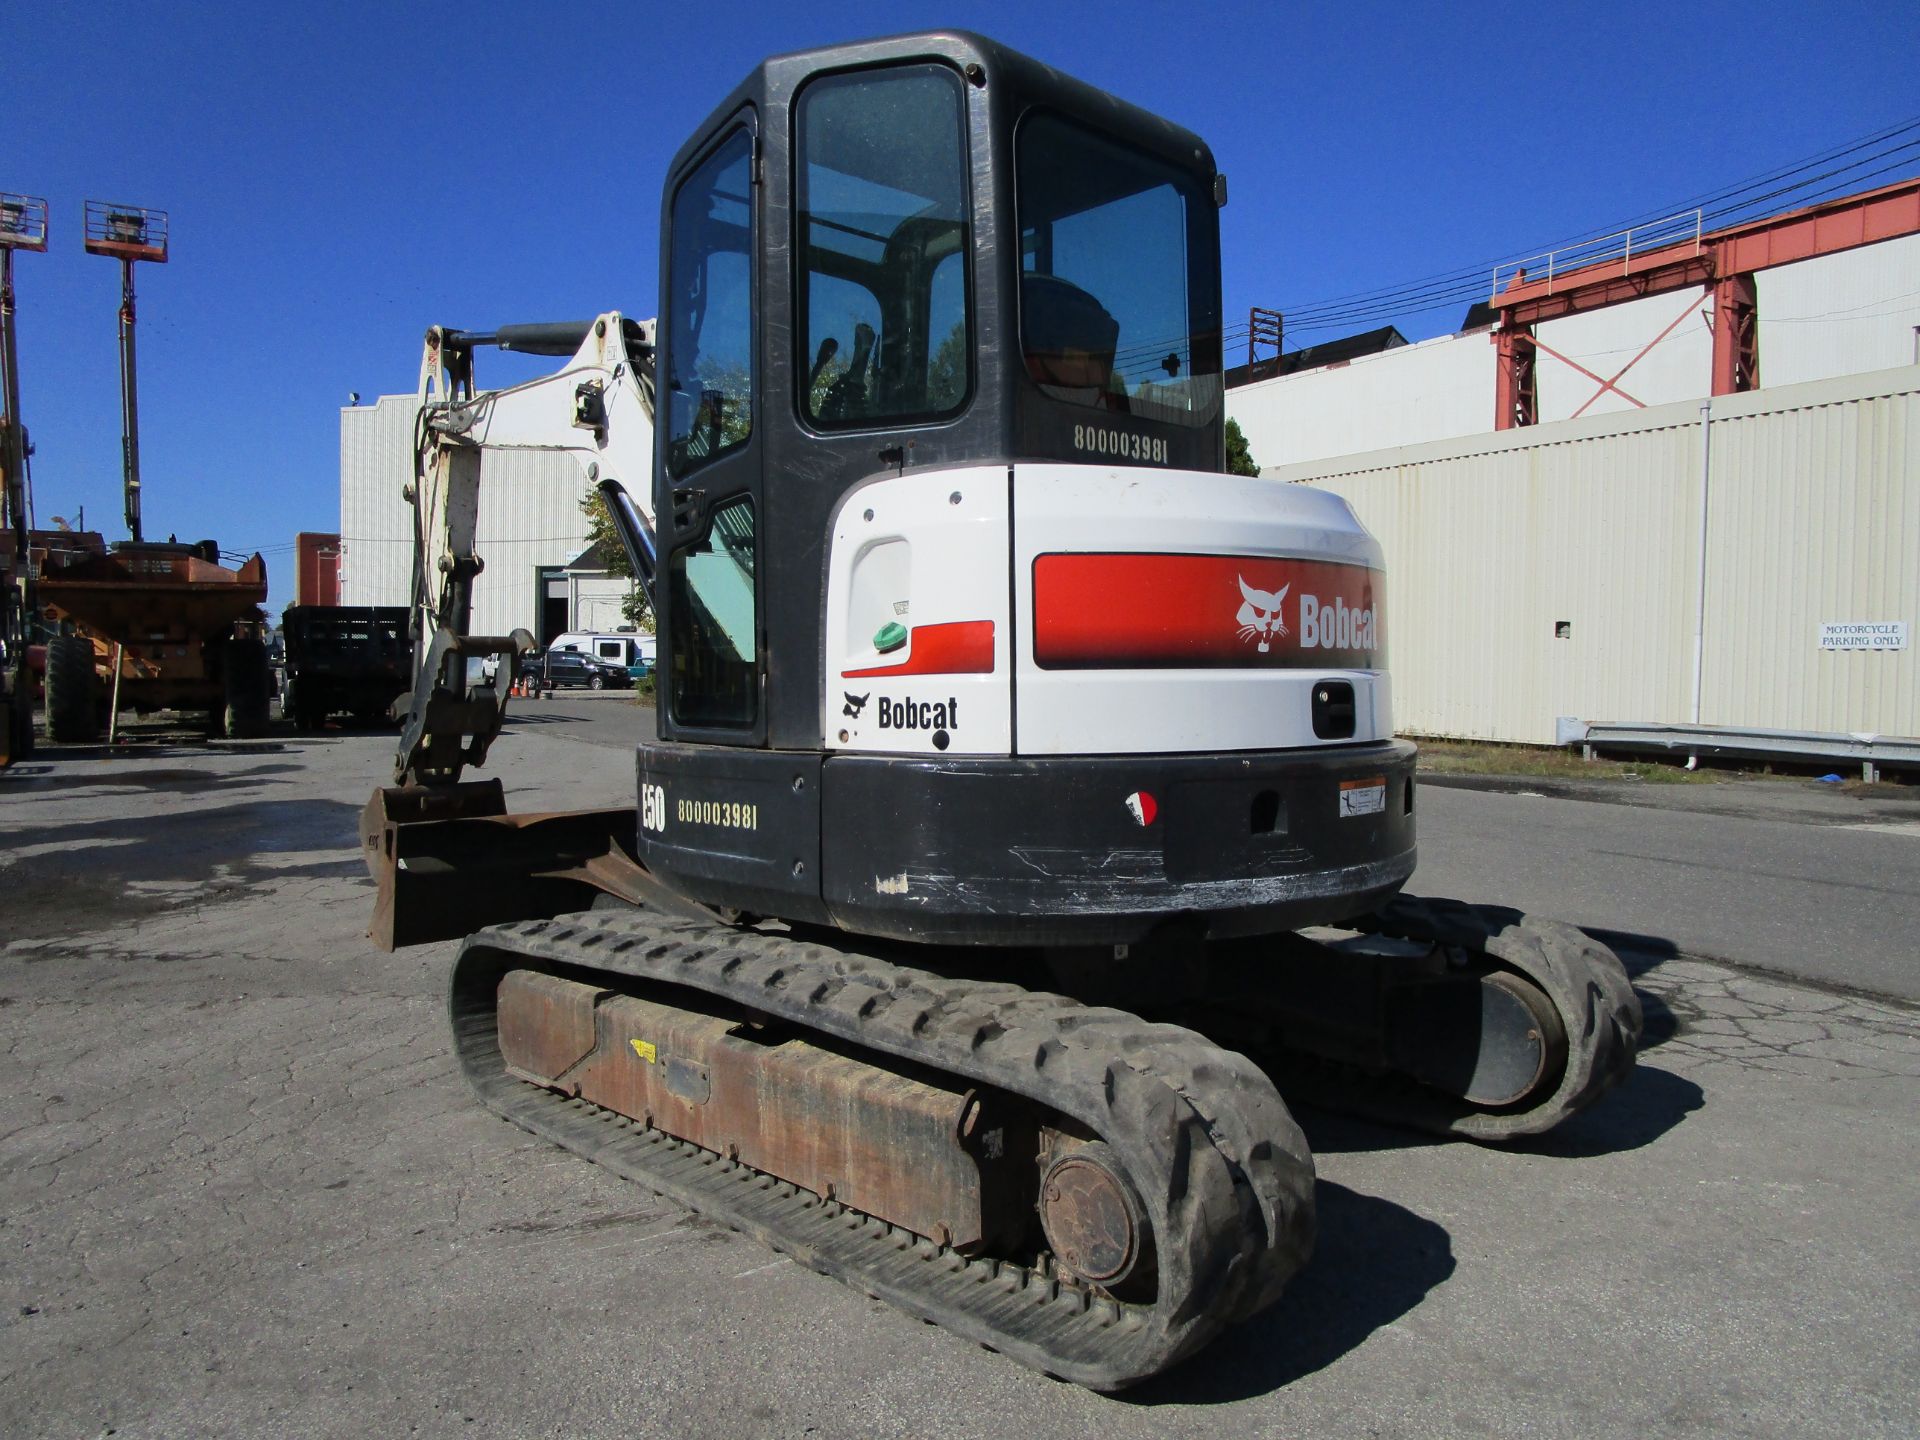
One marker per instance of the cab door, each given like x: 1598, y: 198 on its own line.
x: 708, y: 492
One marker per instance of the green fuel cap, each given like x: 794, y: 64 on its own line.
x: 890, y: 636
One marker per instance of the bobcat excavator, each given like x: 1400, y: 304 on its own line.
x: 1024, y: 803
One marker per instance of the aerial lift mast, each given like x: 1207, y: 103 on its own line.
x: 23, y: 226
x: 150, y: 624
x: 129, y: 234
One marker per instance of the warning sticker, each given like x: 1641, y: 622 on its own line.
x: 644, y: 1049
x: 1363, y: 797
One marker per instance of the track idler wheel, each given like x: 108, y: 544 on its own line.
x: 1557, y: 1022
x: 1494, y: 1040
x: 1095, y: 1222
x: 1454, y: 1019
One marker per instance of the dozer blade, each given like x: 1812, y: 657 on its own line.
x: 449, y: 860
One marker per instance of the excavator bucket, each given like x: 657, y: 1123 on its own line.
x: 448, y: 860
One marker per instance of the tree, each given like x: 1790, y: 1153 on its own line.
x: 947, y: 371
x: 600, y: 533
x: 1239, y: 456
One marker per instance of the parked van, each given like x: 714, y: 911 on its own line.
x: 633, y: 650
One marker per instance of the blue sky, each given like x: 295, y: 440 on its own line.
x: 339, y: 176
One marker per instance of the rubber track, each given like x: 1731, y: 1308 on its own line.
x: 1584, y: 979
x: 1223, y: 1170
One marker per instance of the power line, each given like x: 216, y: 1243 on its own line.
x: 1444, y: 289
x: 1475, y: 274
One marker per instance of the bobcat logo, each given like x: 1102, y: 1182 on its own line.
x: 856, y: 703
x: 1260, y: 617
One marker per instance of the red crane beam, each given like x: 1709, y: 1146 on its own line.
x: 1823, y: 229
x: 1724, y: 259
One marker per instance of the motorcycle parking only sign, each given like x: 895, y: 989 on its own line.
x: 1863, y: 635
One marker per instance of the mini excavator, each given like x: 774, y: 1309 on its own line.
x: 1024, y: 814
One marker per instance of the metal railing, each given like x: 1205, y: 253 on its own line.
x: 23, y: 221
x: 129, y: 231
x: 1622, y: 245
x: 1872, y: 753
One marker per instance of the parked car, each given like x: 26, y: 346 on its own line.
x: 559, y: 669
x: 630, y: 649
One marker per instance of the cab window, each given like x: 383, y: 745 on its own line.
x: 709, y: 381
x: 1119, y: 284
x: 715, y: 642
x: 881, y: 228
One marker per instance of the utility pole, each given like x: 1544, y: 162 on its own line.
x: 23, y: 226
x: 128, y: 233
x: 1264, y: 327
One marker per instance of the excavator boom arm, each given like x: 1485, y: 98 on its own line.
x: 598, y: 409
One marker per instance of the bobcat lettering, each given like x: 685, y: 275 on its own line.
x: 1324, y: 624
x: 1335, y: 626
x: 919, y: 714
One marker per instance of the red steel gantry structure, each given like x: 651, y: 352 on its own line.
x: 1725, y: 261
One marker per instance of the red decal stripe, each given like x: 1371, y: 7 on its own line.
x: 961, y: 647
x: 1115, y: 611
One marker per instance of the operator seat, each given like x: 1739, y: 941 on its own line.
x: 1070, y: 340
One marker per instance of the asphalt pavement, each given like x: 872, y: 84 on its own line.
x: 244, y: 1191
x: 1780, y: 875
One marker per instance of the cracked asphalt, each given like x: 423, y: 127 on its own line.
x: 243, y: 1191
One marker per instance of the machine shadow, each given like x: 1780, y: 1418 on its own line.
x: 1652, y: 1102
x: 36, y: 779
x: 1374, y: 1261
x: 90, y: 874
x: 1641, y: 954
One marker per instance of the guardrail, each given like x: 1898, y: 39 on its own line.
x: 1662, y: 234
x: 1872, y: 753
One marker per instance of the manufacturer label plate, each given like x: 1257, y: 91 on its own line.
x: 1363, y: 797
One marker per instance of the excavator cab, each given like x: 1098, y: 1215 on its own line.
x: 902, y: 257
x: 959, y: 639
x: 922, y: 298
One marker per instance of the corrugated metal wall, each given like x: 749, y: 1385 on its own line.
x: 376, y: 450
x: 529, y: 517
x: 1815, y: 517
x: 1492, y: 542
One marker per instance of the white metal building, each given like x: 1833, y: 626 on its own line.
x: 1842, y: 314
x: 1564, y: 569
x: 1630, y: 555
x: 532, y: 533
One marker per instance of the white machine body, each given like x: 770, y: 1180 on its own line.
x: 1044, y: 609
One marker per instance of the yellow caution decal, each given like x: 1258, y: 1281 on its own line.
x: 644, y: 1049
